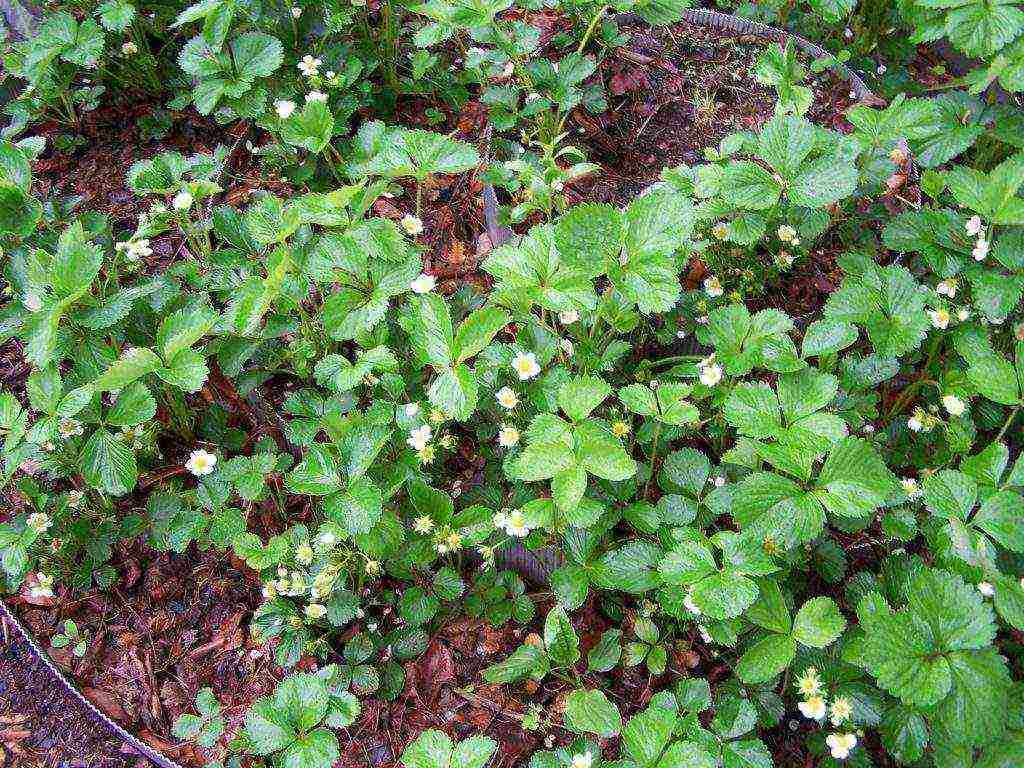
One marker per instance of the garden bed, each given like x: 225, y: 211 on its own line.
x: 676, y: 456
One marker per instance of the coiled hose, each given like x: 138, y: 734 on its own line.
x: 535, y: 566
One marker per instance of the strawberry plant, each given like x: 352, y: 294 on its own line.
x: 441, y: 376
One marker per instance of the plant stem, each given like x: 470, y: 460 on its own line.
x: 654, y: 454
x: 1006, y: 424
x: 590, y: 29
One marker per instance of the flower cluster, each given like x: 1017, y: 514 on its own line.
x: 815, y: 707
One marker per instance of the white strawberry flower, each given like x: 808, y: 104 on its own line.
x: 419, y: 437
x: 980, y: 251
x: 974, y: 226
x: 68, y: 428
x: 911, y: 487
x: 786, y: 233
x: 507, y: 398
x: 138, y: 249
x: 182, y: 201
x: 423, y: 284
x: 33, y: 302
x: 568, y: 317
x: 314, y: 96
x: 939, y: 318
x: 689, y: 605
x: 508, y: 436
x: 39, y: 522
x: 201, y: 463
x: 841, y: 710
x: 315, y: 611
x: 309, y: 65
x: 840, y: 744
x: 986, y: 588
x: 284, y: 108
x: 43, y: 586
x: 713, y: 287
x: 954, y: 405
x: 516, y: 525
x: 813, y: 708
x: 947, y: 287
x: 710, y: 371
x: 582, y: 760
x: 412, y: 224
x: 411, y: 409
x: 525, y: 365
x: 296, y: 12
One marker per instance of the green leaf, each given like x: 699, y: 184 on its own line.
x: 589, y: 236
x: 540, y: 461
x: 183, y: 328
x: 753, y: 409
x: 601, y: 453
x: 270, y: 222
x: 134, y: 405
x: 311, y: 128
x: 818, y: 623
x: 473, y: 752
x: 770, y: 610
x: 316, y: 474
x: 591, y: 712
x: 526, y: 660
x: 568, y: 487
x: 687, y: 563
x: 580, y: 396
x: 725, y: 594
x: 358, y: 508
x: 639, y: 399
x: 647, y: 734
x: 747, y: 185
x: 116, y: 15
x: 267, y: 728
x: 766, y: 659
x: 76, y: 263
x: 560, y: 639
x: 431, y: 749
x: 949, y: 493
x: 455, y: 392
x: 317, y: 749
x: 257, y: 54
x: 433, y: 334
x: 477, y: 331
x: 1001, y: 516
x: 108, y: 464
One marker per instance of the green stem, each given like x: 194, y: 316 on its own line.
x: 1006, y: 424
x: 590, y: 29
x: 654, y: 454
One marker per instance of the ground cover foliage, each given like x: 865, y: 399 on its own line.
x: 797, y: 510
